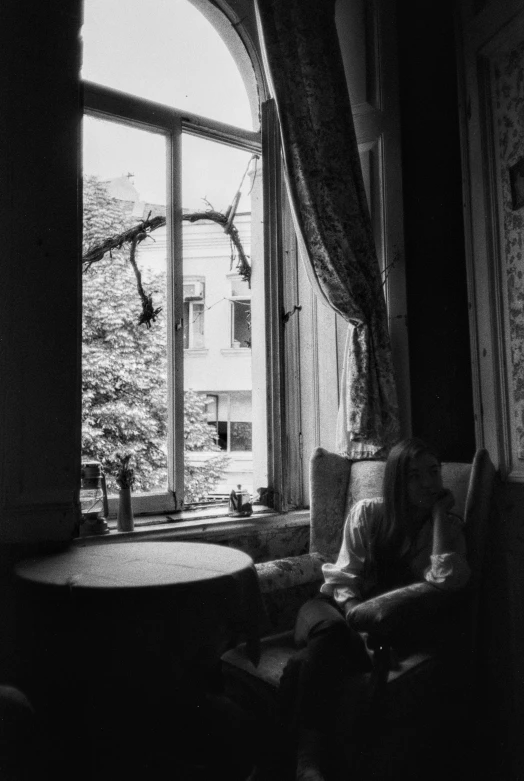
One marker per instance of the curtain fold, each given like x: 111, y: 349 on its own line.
x: 326, y: 188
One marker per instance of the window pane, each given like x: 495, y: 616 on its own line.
x: 187, y: 320
x: 240, y: 436
x: 212, y: 409
x: 124, y: 374
x: 167, y: 52
x: 197, y: 323
x: 173, y: 53
x: 212, y: 176
x: 242, y: 323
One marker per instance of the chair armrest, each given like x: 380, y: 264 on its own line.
x: 292, y: 571
x: 397, y: 610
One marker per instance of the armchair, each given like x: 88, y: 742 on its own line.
x: 403, y: 689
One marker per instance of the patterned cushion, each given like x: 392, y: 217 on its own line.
x: 399, y: 610
x: 285, y: 585
x: 329, y: 477
x: 292, y: 571
x: 365, y: 483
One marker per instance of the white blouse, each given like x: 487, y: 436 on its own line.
x: 354, y: 575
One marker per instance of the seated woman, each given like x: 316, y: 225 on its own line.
x: 405, y: 536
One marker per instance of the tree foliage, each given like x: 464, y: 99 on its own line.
x: 124, y: 373
x: 198, y: 436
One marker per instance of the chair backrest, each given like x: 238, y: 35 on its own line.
x: 337, y: 483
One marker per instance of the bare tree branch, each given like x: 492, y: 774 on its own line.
x: 141, y: 231
x: 98, y: 251
x: 149, y: 313
x: 138, y: 233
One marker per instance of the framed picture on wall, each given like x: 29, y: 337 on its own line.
x: 516, y: 178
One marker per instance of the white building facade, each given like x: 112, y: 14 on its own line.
x: 218, y: 330
x: 217, y: 342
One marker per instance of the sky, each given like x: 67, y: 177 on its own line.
x: 166, y: 51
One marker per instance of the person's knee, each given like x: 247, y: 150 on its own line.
x: 335, y: 645
x: 315, y: 614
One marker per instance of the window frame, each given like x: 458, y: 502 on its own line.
x: 242, y: 301
x: 191, y: 332
x: 233, y: 300
x: 112, y: 105
x: 188, y: 280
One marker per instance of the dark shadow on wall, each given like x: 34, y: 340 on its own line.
x: 441, y: 387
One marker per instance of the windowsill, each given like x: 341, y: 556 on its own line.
x: 199, y: 523
x: 240, y: 455
x: 237, y: 351
x: 196, y: 351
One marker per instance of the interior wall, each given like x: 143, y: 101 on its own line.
x: 489, y: 53
x: 39, y: 272
x: 508, y: 137
x: 437, y: 301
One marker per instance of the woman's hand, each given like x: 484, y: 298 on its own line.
x: 443, y: 503
x: 444, y: 531
x: 349, y: 605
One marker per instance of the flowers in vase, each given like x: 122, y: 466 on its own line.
x: 126, y: 475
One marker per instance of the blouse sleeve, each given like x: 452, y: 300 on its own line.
x: 450, y: 571
x: 346, y: 578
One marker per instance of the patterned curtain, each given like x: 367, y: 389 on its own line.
x: 324, y: 178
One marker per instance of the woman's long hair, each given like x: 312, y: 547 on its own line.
x: 392, y: 530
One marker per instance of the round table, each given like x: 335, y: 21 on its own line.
x: 123, y: 640
x: 204, y: 596
x: 134, y: 565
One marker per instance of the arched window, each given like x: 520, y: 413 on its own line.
x: 173, y: 282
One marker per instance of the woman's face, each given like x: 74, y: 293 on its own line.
x: 424, y: 481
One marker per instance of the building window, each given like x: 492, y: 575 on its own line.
x: 240, y: 313
x: 241, y: 435
x: 149, y: 385
x: 194, y: 314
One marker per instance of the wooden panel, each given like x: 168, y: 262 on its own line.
x: 292, y: 371
x: 371, y: 163
x: 356, y: 26
x: 328, y: 374
x: 495, y: 31
x: 309, y: 390
x: 39, y: 318
x: 272, y: 184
